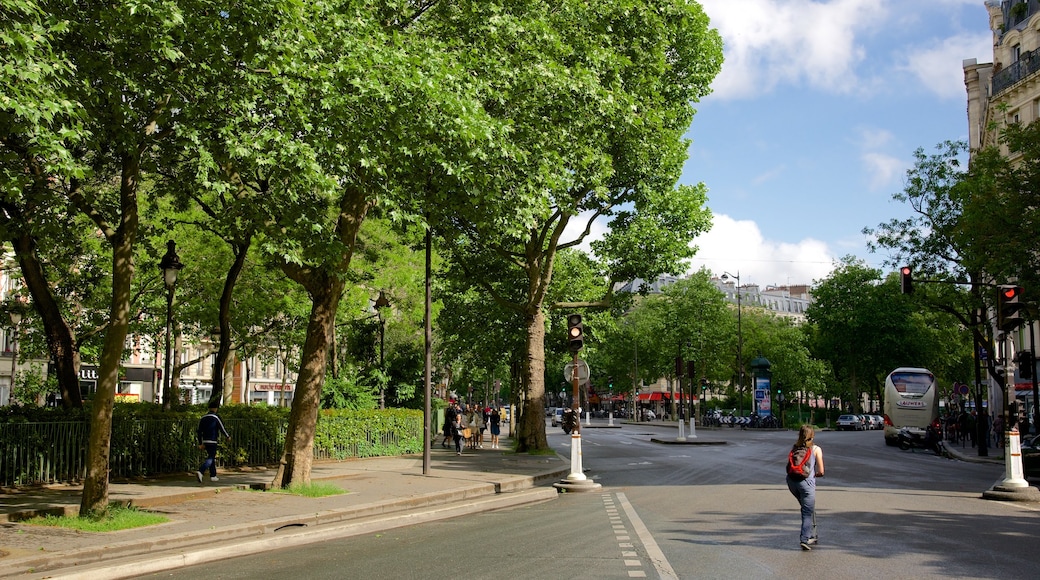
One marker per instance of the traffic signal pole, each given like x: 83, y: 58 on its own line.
x: 576, y: 480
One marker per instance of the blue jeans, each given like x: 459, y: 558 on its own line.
x: 805, y: 491
x: 211, y: 460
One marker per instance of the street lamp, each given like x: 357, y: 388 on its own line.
x: 170, y: 266
x: 381, y: 303
x: 740, y: 338
x: 15, y: 312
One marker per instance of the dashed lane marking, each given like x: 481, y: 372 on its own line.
x: 653, y: 551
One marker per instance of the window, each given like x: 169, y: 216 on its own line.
x: 1016, y: 52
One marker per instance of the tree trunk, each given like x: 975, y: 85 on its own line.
x: 61, y: 339
x: 531, y: 431
x: 224, y: 317
x: 95, y: 484
x: 295, y: 465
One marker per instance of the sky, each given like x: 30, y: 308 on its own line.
x: 813, y: 122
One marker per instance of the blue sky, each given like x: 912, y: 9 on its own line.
x: 813, y: 123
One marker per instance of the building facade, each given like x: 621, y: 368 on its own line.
x: 1006, y: 90
x: 999, y: 93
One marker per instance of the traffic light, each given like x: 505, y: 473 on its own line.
x: 1009, y: 307
x: 704, y: 383
x: 575, y: 332
x: 1025, y: 364
x: 690, y: 370
x: 906, y: 282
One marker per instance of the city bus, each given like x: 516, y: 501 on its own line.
x: 911, y: 401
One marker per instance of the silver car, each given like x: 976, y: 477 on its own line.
x: 850, y: 423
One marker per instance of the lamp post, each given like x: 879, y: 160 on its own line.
x: 381, y: 303
x: 170, y: 266
x: 740, y: 338
x: 15, y: 313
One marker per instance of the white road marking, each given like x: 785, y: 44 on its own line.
x: 653, y: 551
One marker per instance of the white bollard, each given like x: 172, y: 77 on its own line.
x: 610, y: 419
x: 693, y: 429
x: 1013, y: 473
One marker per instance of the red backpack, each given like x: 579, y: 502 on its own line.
x: 798, y: 462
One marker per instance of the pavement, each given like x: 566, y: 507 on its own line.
x: 210, y: 520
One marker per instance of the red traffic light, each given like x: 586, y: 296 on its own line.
x: 906, y: 285
x: 1009, y: 307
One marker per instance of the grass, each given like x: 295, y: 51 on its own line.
x: 541, y: 452
x: 115, y: 519
x: 313, y: 489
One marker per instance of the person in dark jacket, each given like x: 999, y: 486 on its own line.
x: 210, y: 428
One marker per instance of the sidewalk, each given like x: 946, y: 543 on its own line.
x: 383, y: 493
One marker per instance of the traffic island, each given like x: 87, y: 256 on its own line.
x: 677, y: 441
x: 1014, y: 487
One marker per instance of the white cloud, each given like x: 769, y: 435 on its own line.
x: 938, y: 66
x: 739, y: 247
x: 769, y: 42
x: 872, y: 138
x: 883, y: 169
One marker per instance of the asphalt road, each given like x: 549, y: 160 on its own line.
x: 705, y: 511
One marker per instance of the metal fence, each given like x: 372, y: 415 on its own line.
x: 55, y: 452
x: 1028, y: 64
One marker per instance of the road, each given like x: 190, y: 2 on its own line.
x: 705, y: 511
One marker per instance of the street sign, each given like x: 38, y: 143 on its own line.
x: 583, y: 372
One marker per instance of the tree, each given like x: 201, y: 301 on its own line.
x: 134, y: 69
x: 601, y: 130
x: 864, y: 328
x: 40, y: 125
x: 945, y: 240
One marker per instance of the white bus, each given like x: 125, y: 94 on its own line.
x: 911, y: 400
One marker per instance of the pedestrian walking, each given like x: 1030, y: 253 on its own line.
x: 208, y: 432
x: 449, y: 417
x: 802, y: 482
x: 496, y: 427
x: 456, y: 432
x: 476, y: 426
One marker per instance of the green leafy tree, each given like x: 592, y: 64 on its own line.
x: 944, y: 241
x: 600, y: 127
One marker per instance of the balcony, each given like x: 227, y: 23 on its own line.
x: 1028, y: 64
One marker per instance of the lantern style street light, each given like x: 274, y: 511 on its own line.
x: 170, y: 266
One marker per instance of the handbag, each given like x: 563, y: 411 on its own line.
x: 466, y: 434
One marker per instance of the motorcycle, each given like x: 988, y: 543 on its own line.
x: 930, y: 440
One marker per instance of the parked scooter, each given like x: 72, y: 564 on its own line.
x: 930, y: 440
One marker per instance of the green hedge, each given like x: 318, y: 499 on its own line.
x: 49, y: 445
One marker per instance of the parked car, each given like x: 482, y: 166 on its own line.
x: 1031, y: 456
x: 557, y: 416
x: 850, y: 423
x: 872, y: 422
x: 550, y: 411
